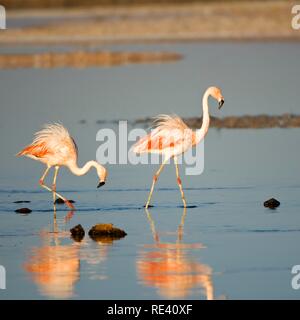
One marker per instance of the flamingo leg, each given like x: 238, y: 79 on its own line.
x: 54, y: 183
x: 44, y: 175
x: 179, y: 182
x: 155, y: 177
x: 180, y: 228
x: 152, y: 225
x: 41, y: 181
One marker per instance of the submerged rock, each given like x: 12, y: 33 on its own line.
x: 77, y: 233
x: 106, y: 232
x: 22, y: 201
x: 272, y: 203
x: 61, y: 201
x: 23, y: 210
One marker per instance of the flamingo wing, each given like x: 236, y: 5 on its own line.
x: 169, y: 132
x: 52, y: 141
x: 36, y: 150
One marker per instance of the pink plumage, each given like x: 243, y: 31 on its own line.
x: 169, y: 136
x: 54, y: 146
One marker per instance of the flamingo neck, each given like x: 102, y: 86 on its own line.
x: 200, y: 133
x: 83, y: 170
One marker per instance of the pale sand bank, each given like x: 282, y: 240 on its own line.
x: 189, y: 22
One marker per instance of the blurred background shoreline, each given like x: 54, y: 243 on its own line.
x: 57, y: 21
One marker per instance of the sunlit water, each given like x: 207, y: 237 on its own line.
x: 225, y: 246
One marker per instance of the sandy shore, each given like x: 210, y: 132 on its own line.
x: 201, y: 21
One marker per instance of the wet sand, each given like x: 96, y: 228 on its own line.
x: 178, y: 22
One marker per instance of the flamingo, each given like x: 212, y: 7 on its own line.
x: 171, y: 137
x: 54, y: 147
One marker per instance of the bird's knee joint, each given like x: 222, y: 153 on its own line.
x: 41, y: 182
x: 179, y: 180
x: 155, y: 177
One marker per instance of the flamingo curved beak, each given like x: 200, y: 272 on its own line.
x: 221, y: 102
x: 101, y: 184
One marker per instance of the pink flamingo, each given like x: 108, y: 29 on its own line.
x: 171, y: 137
x: 54, y: 147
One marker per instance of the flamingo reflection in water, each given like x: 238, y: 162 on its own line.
x: 54, y: 267
x: 169, y: 268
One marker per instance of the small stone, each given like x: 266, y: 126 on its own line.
x: 23, y: 210
x: 61, y: 201
x: 77, y: 233
x: 272, y: 203
x: 106, y: 232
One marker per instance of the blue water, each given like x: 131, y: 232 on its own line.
x: 225, y: 246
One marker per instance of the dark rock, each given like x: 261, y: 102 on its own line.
x: 82, y: 121
x: 22, y: 201
x: 61, y: 201
x: 23, y: 210
x: 272, y: 203
x: 77, y: 233
x: 106, y: 233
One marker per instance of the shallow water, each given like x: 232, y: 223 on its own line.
x: 225, y: 246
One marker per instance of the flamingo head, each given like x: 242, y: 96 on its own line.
x: 100, y: 184
x: 102, y: 174
x: 217, y: 94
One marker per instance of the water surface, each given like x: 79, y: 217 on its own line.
x: 225, y: 246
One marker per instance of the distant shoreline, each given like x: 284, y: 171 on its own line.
x: 69, y: 4
x: 205, y: 21
x: 239, y: 122
x: 83, y: 59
